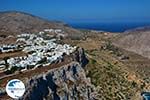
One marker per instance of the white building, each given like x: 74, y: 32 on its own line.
x: 42, y: 52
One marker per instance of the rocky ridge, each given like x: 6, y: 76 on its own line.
x: 66, y: 82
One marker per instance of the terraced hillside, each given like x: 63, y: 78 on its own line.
x: 116, y: 73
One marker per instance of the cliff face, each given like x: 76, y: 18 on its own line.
x: 68, y: 82
x: 80, y: 57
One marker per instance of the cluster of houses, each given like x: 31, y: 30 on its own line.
x: 53, y: 30
x: 56, y: 31
x: 40, y: 52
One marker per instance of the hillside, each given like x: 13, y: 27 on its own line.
x: 137, y: 42
x: 14, y: 22
x: 117, y: 74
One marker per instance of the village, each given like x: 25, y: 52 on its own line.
x: 41, y: 50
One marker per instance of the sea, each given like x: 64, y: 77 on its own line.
x: 109, y: 27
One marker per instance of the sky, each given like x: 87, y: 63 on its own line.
x: 83, y: 10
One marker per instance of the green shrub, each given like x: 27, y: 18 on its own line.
x: 93, y: 61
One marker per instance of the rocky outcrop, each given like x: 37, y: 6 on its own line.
x: 80, y: 57
x: 66, y: 83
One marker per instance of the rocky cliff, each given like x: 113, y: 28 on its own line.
x: 68, y: 82
x: 80, y: 57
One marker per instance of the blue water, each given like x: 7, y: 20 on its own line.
x: 110, y: 27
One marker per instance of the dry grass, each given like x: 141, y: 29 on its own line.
x: 116, y: 79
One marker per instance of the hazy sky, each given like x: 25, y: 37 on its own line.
x: 83, y: 10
